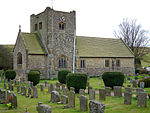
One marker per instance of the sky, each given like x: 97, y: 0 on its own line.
x: 95, y: 18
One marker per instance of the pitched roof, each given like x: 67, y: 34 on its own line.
x: 102, y: 47
x: 33, y: 43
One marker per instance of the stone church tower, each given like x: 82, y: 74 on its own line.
x: 56, y: 30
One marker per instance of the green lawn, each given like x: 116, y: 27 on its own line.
x: 112, y: 104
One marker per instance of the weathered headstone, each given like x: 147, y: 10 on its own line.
x: 138, y: 90
x: 31, y: 84
x: 63, y: 86
x: 102, y: 94
x: 14, y: 101
x: 91, y: 94
x: 3, y: 95
x: 96, y: 107
x: 81, y: 92
x: 18, y: 89
x: 128, y: 90
x: 142, y: 99
x: 117, y: 91
x: 45, y: 83
x: 11, y: 87
x: 52, y: 87
x: 108, y: 91
x: 41, y: 108
x: 64, y: 99
x: 83, y: 103
x: 57, y: 86
x: 41, y: 87
x: 65, y: 89
x: 72, y: 89
x: 127, y: 98
x: 142, y: 85
x: 89, y: 88
x: 49, y: 89
x: 35, y: 92
x: 134, y: 83
x: 24, y: 91
x: 29, y: 91
x: 72, y: 99
x: 55, y: 97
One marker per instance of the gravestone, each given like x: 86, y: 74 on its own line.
x: 65, y: 89
x: 0, y: 94
x: 31, y: 84
x: 64, y: 99
x: 72, y: 99
x: 108, y: 91
x: 142, y: 85
x: 57, y: 86
x: 41, y: 108
x: 92, y: 94
x: 52, y: 87
x: 55, y: 97
x: 63, y: 86
x: 24, y: 91
x: 49, y: 89
x: 29, y: 91
x: 3, y: 95
x: 14, y: 101
x: 134, y: 83
x: 138, y: 90
x: 127, y: 98
x: 117, y: 91
x: 89, y: 88
x: 83, y: 103
x: 128, y: 90
x: 45, y: 83
x: 18, y: 89
x: 142, y: 99
x: 102, y: 94
x: 35, y: 92
x: 72, y: 89
x: 81, y: 92
x: 96, y: 107
x: 41, y: 87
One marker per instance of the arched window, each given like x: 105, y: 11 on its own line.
x: 19, y: 58
x: 62, y: 62
x: 62, y: 26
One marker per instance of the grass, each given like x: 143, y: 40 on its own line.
x: 112, y: 104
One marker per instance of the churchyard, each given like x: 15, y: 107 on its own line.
x: 121, y: 102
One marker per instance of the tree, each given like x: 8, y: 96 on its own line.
x: 134, y: 36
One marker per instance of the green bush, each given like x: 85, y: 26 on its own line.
x: 62, y: 76
x: 34, y: 76
x: 146, y: 82
x: 10, y: 74
x: 113, y: 79
x: 76, y: 80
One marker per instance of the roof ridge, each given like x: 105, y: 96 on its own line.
x: 96, y: 37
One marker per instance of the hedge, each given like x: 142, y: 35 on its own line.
x: 62, y: 76
x: 34, y: 76
x: 10, y: 74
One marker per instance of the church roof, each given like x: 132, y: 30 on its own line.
x: 102, y: 47
x: 33, y: 43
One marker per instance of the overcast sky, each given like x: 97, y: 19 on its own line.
x: 93, y: 17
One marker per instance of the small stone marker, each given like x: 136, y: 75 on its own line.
x: 41, y: 108
x: 14, y: 101
x: 42, y: 87
x: 96, y: 107
x: 35, y: 92
x: 52, y: 87
x: 142, y: 85
x: 57, y: 86
x: 45, y: 83
x: 142, y: 99
x: 55, y: 97
x: 18, y: 89
x: 127, y: 98
x: 83, y: 103
x: 64, y: 99
x: 89, y: 88
x: 72, y: 99
x: 71, y: 88
x: 81, y: 92
x: 92, y: 94
x: 117, y: 91
x: 102, y: 94
x: 108, y: 91
x: 65, y: 89
x: 29, y: 91
x: 128, y: 90
x: 138, y: 90
x: 134, y: 83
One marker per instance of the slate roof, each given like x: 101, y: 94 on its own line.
x: 102, y: 47
x: 33, y: 43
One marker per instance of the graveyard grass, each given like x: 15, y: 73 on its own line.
x: 112, y: 104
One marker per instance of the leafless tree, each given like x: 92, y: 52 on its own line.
x: 134, y: 36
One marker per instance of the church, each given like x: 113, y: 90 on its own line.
x: 52, y: 45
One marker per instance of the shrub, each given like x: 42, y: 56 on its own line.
x: 34, y: 76
x: 143, y: 71
x: 146, y: 82
x: 113, y: 79
x: 10, y: 74
x: 62, y: 76
x: 76, y: 80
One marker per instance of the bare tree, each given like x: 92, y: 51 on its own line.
x: 134, y: 36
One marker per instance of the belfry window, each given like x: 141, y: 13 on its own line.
x: 62, y: 62
x: 19, y: 58
x: 62, y: 26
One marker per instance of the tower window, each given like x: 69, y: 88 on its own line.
x: 106, y: 63
x: 62, y: 26
x: 118, y: 63
x: 82, y: 64
x: 19, y: 58
x: 40, y: 25
x: 35, y: 27
x: 62, y: 62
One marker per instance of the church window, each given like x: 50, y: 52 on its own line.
x: 106, y: 63
x: 118, y: 63
x: 62, y: 26
x: 35, y: 27
x: 19, y: 58
x: 82, y: 64
x: 62, y: 62
x: 40, y: 25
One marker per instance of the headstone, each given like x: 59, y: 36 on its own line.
x: 18, y: 89
x: 134, y: 83
x: 92, y: 94
x: 142, y: 85
x: 72, y: 99
x: 29, y: 91
x: 3, y: 95
x: 108, y: 91
x: 65, y: 91
x: 63, y: 86
x: 45, y: 83
x: 64, y: 99
x: 31, y: 84
x: 55, y: 97
x: 127, y: 98
x: 49, y: 89
x: 138, y: 90
x: 96, y: 107
x: 142, y: 99
x: 117, y: 91
x: 128, y: 90
x: 71, y: 88
x: 102, y: 94
x: 52, y: 87
x: 35, y: 92
x: 5, y: 87
x: 24, y: 91
x: 14, y: 101
x: 89, y: 88
x: 41, y: 108
x: 57, y: 86
x: 41, y: 87
x: 83, y: 103
x: 81, y: 92
x: 0, y: 94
